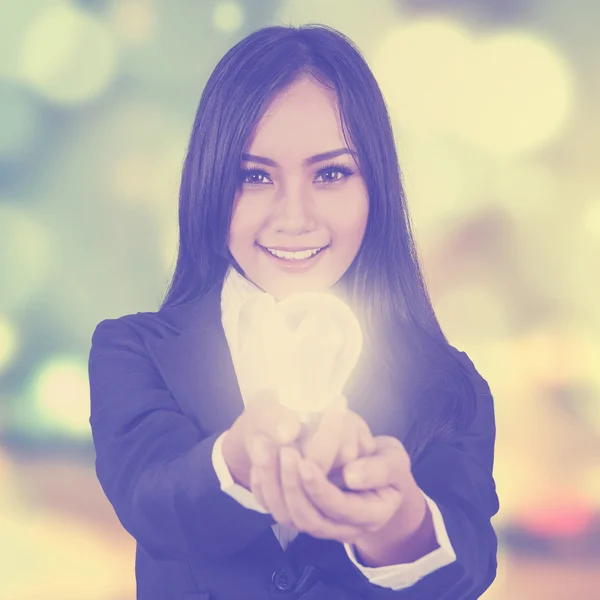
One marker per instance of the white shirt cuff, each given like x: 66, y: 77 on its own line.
x: 401, y: 576
x: 238, y: 492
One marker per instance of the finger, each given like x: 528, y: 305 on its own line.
x: 255, y: 488
x: 350, y: 448
x: 261, y: 451
x: 323, y: 446
x: 305, y: 516
x: 358, y: 441
x: 266, y: 479
x: 366, y: 510
x: 366, y: 440
x: 388, y: 467
x: 267, y: 416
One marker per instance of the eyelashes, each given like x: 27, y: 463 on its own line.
x: 329, y: 168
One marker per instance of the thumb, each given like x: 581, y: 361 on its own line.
x: 287, y: 426
x: 279, y: 423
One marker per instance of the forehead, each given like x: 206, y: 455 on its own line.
x: 303, y: 119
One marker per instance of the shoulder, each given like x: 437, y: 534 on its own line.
x: 132, y: 331
x: 480, y: 384
x: 141, y: 328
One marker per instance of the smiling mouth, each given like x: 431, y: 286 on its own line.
x: 300, y: 258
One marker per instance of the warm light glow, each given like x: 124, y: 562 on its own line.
x: 28, y: 254
x: 41, y: 542
x: 61, y: 395
x: 529, y: 191
x: 507, y: 93
x: 135, y: 20
x: 518, y: 96
x: 68, y: 56
x: 558, y: 521
x: 473, y: 311
x: 455, y: 195
x: 422, y: 69
x: 591, y: 219
x: 307, y: 363
x: 228, y: 17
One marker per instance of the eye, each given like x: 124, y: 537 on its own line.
x: 252, y: 176
x: 336, y: 168
x: 246, y: 173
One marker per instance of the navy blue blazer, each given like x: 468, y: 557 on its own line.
x: 163, y: 388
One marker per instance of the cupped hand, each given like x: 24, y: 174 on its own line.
x: 257, y: 434
x: 251, y: 447
x: 314, y: 505
x: 340, y: 437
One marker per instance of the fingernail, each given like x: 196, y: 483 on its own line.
x: 354, y: 475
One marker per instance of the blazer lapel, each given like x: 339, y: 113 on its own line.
x: 196, y: 364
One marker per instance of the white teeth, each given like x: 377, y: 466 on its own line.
x: 294, y: 255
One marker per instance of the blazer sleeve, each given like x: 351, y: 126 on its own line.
x: 457, y: 475
x: 153, y: 463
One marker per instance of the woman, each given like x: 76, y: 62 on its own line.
x: 292, y: 149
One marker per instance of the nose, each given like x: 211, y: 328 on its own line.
x: 293, y: 213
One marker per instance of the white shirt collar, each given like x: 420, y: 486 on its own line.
x: 236, y: 289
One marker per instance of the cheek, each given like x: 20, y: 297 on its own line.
x: 351, y: 225
x: 244, y: 225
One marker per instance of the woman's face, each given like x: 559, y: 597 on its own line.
x: 290, y: 198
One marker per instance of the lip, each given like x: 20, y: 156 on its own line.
x: 288, y: 249
x: 300, y: 265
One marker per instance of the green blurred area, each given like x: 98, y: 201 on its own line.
x: 494, y: 108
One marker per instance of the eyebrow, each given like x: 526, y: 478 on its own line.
x: 311, y: 160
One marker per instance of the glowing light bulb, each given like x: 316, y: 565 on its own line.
x: 304, y: 347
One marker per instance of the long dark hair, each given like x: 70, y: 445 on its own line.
x: 384, y: 284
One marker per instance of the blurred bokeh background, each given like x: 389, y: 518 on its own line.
x: 495, y: 109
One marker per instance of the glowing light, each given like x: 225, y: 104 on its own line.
x: 591, y: 219
x: 455, y: 194
x: 526, y: 190
x: 422, y: 69
x: 67, y: 56
x: 16, y: 19
x: 8, y: 342
x: 145, y: 167
x: 61, y: 395
x: 473, y: 311
x: 228, y: 16
x: 518, y: 96
x: 42, y: 542
x: 568, y: 521
x: 307, y: 365
x: 589, y: 484
x: 507, y: 93
x: 26, y: 255
x: 135, y: 20
x: 148, y: 175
